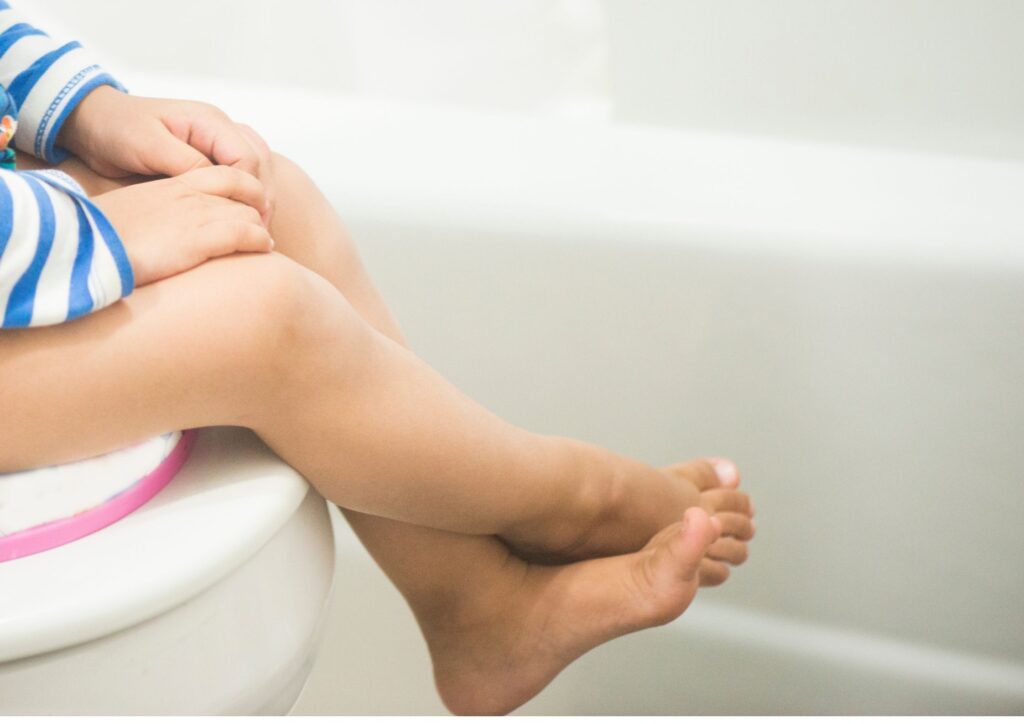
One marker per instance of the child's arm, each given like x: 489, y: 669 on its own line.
x: 46, y: 80
x: 67, y: 103
x: 117, y: 135
x: 59, y: 256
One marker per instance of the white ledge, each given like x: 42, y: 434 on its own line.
x: 422, y: 165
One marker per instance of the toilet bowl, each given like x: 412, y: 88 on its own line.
x: 209, y: 599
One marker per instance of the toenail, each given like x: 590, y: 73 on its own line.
x: 726, y: 471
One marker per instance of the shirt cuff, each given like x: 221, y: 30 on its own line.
x: 58, y: 83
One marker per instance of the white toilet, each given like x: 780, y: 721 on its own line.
x: 209, y: 599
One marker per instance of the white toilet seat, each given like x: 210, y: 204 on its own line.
x: 231, y: 498
x: 228, y: 500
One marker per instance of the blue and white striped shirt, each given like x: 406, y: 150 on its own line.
x: 59, y: 256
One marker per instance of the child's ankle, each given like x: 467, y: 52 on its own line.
x: 596, y: 484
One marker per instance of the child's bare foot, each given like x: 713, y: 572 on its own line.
x: 719, y: 498
x: 502, y: 642
x: 637, y: 502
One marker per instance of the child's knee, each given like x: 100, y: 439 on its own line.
x: 305, y: 225
x: 287, y: 174
x: 268, y: 297
x: 293, y: 188
x: 283, y: 316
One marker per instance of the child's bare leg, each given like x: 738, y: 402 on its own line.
x: 558, y: 487
x: 498, y: 630
x: 309, y: 230
x: 491, y: 622
x: 163, y: 360
x: 261, y: 342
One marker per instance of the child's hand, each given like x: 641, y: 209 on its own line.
x: 119, y: 135
x: 172, y: 225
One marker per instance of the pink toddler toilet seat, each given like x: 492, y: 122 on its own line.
x: 55, y: 533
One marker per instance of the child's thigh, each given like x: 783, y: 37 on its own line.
x: 190, y: 351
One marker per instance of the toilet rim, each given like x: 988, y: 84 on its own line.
x: 228, y: 500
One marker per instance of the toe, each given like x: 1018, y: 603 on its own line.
x: 707, y: 473
x: 727, y: 471
x: 723, y: 499
x: 713, y: 573
x: 667, y: 571
x: 736, y: 525
x: 728, y: 550
x: 676, y: 552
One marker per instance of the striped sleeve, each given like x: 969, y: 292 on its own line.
x: 60, y: 258
x: 46, y: 79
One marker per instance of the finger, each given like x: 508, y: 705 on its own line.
x: 222, y: 210
x: 723, y: 499
x: 255, y: 139
x: 170, y: 156
x: 227, y: 183
x: 736, y: 525
x: 220, y: 238
x: 265, y: 171
x: 218, y: 208
x: 728, y: 550
x: 211, y: 132
x: 233, y: 148
x: 712, y: 573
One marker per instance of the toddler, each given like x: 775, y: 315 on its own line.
x: 162, y: 269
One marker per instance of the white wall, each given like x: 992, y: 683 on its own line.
x: 524, y: 55
x: 938, y: 75
x: 923, y: 74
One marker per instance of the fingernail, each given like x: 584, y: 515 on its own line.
x: 726, y: 471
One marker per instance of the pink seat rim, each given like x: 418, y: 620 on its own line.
x: 59, y: 532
